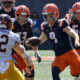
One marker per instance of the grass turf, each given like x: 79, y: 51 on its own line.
x: 43, y: 69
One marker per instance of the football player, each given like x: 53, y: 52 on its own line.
x: 9, y: 41
x: 57, y: 32
x: 23, y: 27
x: 73, y: 18
x: 7, y: 7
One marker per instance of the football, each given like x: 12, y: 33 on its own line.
x: 33, y: 41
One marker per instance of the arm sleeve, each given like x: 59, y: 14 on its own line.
x: 29, y: 33
x: 17, y: 38
x: 42, y: 27
x: 65, y: 24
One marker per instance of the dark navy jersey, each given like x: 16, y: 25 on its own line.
x: 11, y: 13
x: 75, y: 25
x: 24, y: 31
x: 59, y: 40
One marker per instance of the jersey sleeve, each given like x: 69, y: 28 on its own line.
x: 16, y: 37
x: 31, y: 22
x: 29, y: 33
x: 63, y: 23
x: 42, y: 26
x: 68, y: 18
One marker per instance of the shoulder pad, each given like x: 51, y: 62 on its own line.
x: 61, y: 21
x: 66, y: 16
x: 16, y: 37
x: 42, y: 25
x: 30, y: 21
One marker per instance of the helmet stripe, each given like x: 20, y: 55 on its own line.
x: 77, y: 6
x: 22, y: 9
x: 25, y: 10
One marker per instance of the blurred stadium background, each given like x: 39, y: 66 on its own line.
x: 37, y: 6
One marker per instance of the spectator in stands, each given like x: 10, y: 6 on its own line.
x: 36, y: 24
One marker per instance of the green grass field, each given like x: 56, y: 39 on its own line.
x: 43, y: 69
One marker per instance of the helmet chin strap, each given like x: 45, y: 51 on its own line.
x: 52, y: 18
x: 21, y: 23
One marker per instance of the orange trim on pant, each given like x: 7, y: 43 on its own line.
x: 69, y: 58
x: 73, y: 71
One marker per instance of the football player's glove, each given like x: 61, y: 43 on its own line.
x: 38, y: 57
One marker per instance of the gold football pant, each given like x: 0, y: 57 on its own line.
x: 8, y: 71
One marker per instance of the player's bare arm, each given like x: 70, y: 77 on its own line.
x: 21, y: 50
x: 42, y: 38
x: 73, y: 34
x: 35, y: 41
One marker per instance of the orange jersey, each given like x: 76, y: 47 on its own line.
x: 21, y: 63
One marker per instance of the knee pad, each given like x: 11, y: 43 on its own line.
x: 55, y: 73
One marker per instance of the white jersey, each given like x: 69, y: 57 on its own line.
x: 7, y: 41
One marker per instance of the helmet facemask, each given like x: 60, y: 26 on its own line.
x: 22, y: 13
x: 51, y: 17
x: 7, y: 5
x: 22, y: 19
x: 50, y: 13
x: 76, y: 11
x: 76, y: 15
